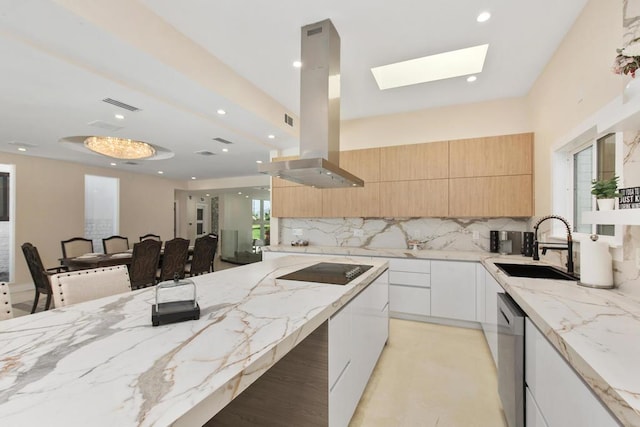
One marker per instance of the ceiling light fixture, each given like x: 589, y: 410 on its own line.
x: 441, y: 66
x: 160, y: 172
x: 472, y: 79
x: 483, y: 17
x: 259, y: 162
x: 221, y: 112
x: 22, y: 149
x: 119, y: 116
x: 297, y: 64
x: 225, y: 150
x: 119, y: 148
x: 113, y: 164
x: 193, y: 177
x: 271, y: 136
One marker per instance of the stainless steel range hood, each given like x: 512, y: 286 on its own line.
x: 319, y: 161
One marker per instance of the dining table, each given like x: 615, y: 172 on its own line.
x: 97, y: 260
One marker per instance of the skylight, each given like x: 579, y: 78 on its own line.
x: 441, y: 66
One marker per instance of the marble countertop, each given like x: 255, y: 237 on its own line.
x: 101, y: 363
x: 596, y: 330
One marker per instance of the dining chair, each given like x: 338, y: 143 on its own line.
x: 150, y: 236
x: 174, y: 259
x: 144, y: 263
x: 84, y: 285
x: 39, y: 274
x: 115, y: 244
x: 204, y: 252
x: 6, y: 311
x: 76, y: 246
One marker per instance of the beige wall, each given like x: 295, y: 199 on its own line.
x: 576, y: 83
x: 499, y: 117
x: 50, y: 205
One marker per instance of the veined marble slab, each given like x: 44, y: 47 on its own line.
x: 101, y: 363
x: 597, y: 331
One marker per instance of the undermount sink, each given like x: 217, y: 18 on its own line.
x: 535, y: 271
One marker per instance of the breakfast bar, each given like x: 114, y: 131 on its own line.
x: 102, y: 363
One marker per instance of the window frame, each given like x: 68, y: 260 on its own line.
x: 5, y: 195
x: 563, y: 179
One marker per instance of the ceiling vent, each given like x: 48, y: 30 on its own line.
x: 21, y: 144
x: 205, y: 153
x: 224, y: 141
x: 121, y: 104
x: 104, y: 125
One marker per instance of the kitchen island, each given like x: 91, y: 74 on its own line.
x: 102, y: 363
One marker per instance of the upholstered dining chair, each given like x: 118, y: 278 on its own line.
x: 204, y: 251
x: 144, y: 263
x: 39, y: 274
x: 174, y: 258
x: 76, y: 246
x: 84, y: 285
x: 115, y: 244
x: 6, y: 311
x: 150, y: 236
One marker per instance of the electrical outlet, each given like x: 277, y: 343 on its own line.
x: 476, y: 235
x: 638, y: 258
x: 358, y: 233
x: 297, y: 232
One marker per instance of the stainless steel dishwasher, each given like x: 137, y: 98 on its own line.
x: 511, y: 359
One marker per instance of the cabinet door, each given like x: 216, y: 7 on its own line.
x: 533, y: 415
x: 352, y: 202
x: 416, y: 161
x: 296, y: 202
x: 365, y: 164
x: 501, y: 155
x: 561, y: 395
x: 453, y: 290
x: 490, y: 325
x: 491, y: 196
x: 426, y: 198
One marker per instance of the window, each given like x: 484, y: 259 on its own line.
x: 4, y: 196
x: 590, y: 158
x: 261, y: 213
x: 101, y: 208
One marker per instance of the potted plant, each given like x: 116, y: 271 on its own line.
x: 605, y: 190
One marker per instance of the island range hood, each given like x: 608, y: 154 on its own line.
x: 318, y: 165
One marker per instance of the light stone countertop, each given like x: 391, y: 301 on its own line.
x: 101, y: 363
x: 596, y: 330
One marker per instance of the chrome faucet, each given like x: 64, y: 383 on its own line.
x: 568, y: 247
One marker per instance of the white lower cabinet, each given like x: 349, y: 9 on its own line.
x: 490, y: 323
x: 533, y: 416
x: 453, y: 290
x: 560, y: 395
x: 409, y: 287
x: 357, y: 335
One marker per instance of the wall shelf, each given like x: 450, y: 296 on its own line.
x: 617, y: 217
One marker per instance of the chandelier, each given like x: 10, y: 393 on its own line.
x: 119, y: 148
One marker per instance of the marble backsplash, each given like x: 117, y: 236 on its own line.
x: 434, y: 233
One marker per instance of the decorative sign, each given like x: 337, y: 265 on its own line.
x: 629, y: 198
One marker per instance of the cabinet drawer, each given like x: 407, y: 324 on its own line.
x: 410, y: 300
x: 410, y: 279
x: 413, y: 265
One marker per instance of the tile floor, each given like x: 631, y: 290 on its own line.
x: 432, y: 375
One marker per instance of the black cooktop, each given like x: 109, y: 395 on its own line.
x: 328, y: 272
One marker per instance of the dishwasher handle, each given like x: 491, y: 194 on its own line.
x: 510, y: 314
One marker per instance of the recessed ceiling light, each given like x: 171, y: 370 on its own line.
x: 119, y: 116
x: 160, y: 172
x: 328, y: 173
x: 259, y: 161
x: 193, y: 177
x: 297, y: 64
x: 472, y: 79
x: 239, y: 192
x: 225, y: 150
x: 113, y: 164
x: 271, y: 136
x: 221, y: 112
x: 483, y: 17
x: 207, y: 195
x: 430, y: 68
x: 246, y: 197
x: 22, y: 149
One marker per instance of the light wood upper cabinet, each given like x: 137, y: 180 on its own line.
x: 365, y: 164
x: 352, y: 202
x: 494, y: 196
x: 296, y: 202
x: 417, y: 161
x: 491, y: 156
x: 422, y: 198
